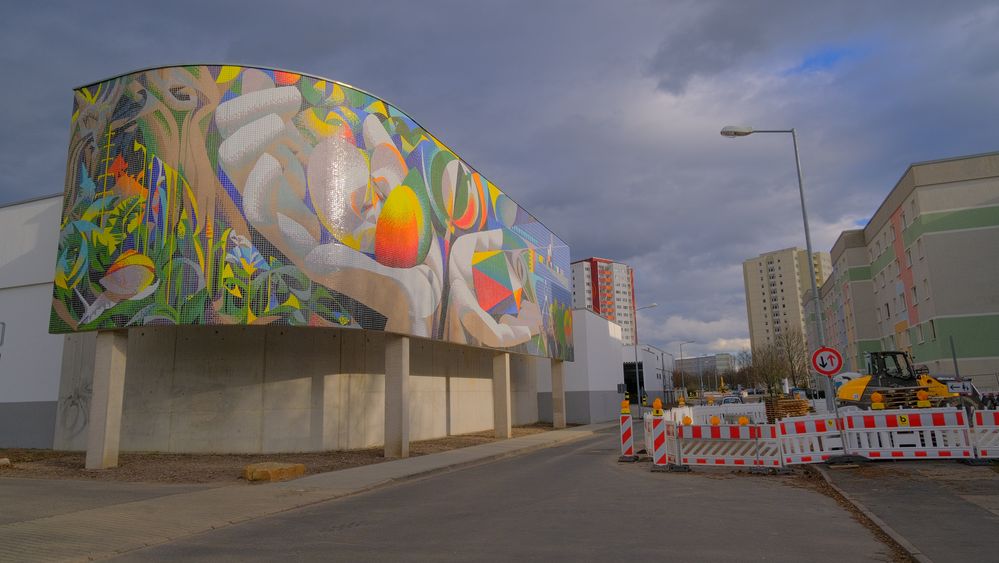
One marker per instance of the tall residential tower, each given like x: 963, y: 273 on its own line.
x: 775, y: 282
x: 608, y: 289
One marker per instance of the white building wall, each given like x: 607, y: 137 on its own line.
x: 29, y: 355
x: 591, y: 380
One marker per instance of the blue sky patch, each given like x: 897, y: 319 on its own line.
x: 825, y: 59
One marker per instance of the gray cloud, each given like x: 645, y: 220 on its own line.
x: 601, y: 119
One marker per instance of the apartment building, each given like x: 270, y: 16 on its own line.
x: 934, y: 251
x: 608, y: 289
x: 775, y: 283
x: 847, y: 303
x: 924, y: 272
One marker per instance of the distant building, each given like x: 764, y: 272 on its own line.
x: 775, y: 283
x: 924, y: 270
x: 608, y: 289
x: 714, y: 363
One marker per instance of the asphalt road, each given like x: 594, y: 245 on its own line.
x: 570, y: 502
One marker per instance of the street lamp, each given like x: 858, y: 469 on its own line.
x: 683, y: 377
x: 634, y: 337
x: 700, y: 376
x: 671, y: 374
x: 733, y: 131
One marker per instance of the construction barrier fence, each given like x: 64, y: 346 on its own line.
x: 985, y: 434
x: 928, y: 433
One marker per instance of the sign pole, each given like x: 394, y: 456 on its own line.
x: 828, y: 361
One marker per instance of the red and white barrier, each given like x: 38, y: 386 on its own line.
x: 929, y: 433
x: 647, y: 432
x: 809, y: 439
x: 985, y: 434
x: 627, y: 438
x: 660, y: 459
x: 727, y: 414
x: 909, y: 434
x: 728, y: 445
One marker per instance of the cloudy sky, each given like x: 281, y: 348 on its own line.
x: 601, y: 118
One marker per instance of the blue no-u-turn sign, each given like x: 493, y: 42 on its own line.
x: 827, y: 361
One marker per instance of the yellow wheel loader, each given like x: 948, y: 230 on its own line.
x: 892, y: 375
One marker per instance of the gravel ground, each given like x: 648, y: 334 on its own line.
x: 217, y: 469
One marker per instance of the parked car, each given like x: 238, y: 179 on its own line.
x: 731, y: 400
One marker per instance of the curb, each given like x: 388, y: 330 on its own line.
x: 898, y: 538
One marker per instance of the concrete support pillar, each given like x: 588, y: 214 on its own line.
x: 501, y: 396
x: 396, y: 395
x: 104, y: 426
x: 558, y: 395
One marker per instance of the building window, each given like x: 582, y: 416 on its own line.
x: 908, y: 257
x: 887, y: 311
x: 926, y: 289
x: 915, y: 299
x: 933, y: 330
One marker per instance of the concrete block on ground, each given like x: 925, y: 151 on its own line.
x: 273, y: 471
x: 5, y: 462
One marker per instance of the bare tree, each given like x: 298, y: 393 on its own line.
x: 743, y: 360
x: 793, y: 351
x: 769, y: 367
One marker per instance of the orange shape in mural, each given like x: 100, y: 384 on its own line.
x: 285, y: 78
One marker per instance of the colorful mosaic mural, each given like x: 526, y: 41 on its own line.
x: 225, y: 195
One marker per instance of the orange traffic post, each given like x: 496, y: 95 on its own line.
x: 627, y: 435
x: 922, y: 399
x: 877, y: 401
x: 660, y: 459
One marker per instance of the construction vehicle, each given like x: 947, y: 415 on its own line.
x: 892, y: 375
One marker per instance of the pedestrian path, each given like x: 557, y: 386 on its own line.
x: 130, y: 518
x: 939, y: 511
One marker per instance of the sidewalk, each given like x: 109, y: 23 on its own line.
x: 939, y: 511
x: 80, y: 521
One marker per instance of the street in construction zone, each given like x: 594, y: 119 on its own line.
x: 562, y: 495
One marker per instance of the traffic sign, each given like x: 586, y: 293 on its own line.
x: 827, y: 361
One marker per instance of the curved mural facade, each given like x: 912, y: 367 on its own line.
x: 227, y: 195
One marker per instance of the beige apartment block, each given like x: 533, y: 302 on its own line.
x: 847, y: 302
x: 933, y: 245
x: 775, y: 283
x: 924, y: 272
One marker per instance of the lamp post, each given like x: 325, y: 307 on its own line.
x: 683, y: 377
x: 638, y: 380
x: 732, y: 131
x: 664, y: 374
x: 700, y: 376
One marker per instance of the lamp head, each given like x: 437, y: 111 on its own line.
x: 736, y: 131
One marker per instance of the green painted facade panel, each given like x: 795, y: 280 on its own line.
x: 864, y: 346
x: 860, y: 273
x: 883, y: 260
x: 974, y: 337
x: 950, y: 221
